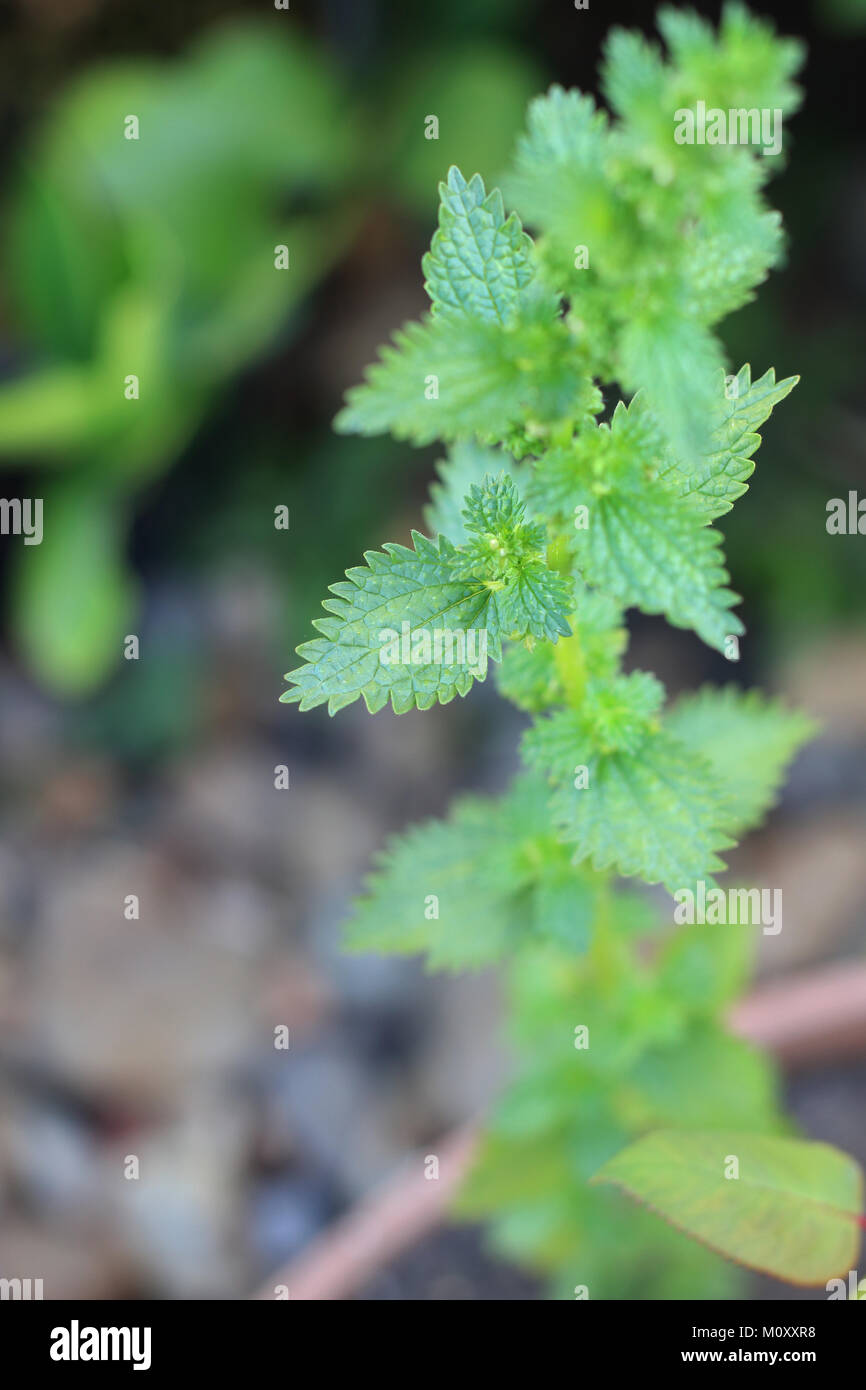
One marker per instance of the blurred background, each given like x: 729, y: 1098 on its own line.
x: 154, y: 777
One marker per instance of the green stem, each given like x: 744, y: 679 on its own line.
x: 603, y: 955
x: 571, y: 665
x: 568, y: 651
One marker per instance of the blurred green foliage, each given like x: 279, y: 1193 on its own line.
x: 156, y: 257
x: 479, y: 96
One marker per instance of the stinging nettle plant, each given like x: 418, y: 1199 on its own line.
x: 557, y: 509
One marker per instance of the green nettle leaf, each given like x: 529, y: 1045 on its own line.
x: 748, y: 740
x: 494, y: 359
x: 745, y: 64
x: 725, y: 264
x: 530, y: 598
x: 529, y: 676
x: 618, y: 713
x: 658, y: 355
x: 405, y: 628
x: 613, y: 717
x: 565, y: 904
x: 479, y: 260
x: 708, y: 969
x: 467, y: 888
x: 713, y: 481
x: 417, y: 626
x: 495, y: 513
x: 639, y: 541
x: 467, y: 463
x: 653, y: 810
x: 633, y: 80
x: 558, y: 179
x: 783, y: 1206
x: 446, y: 888
x: 536, y: 677
x: 535, y: 601
x: 709, y: 1076
x: 452, y: 379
